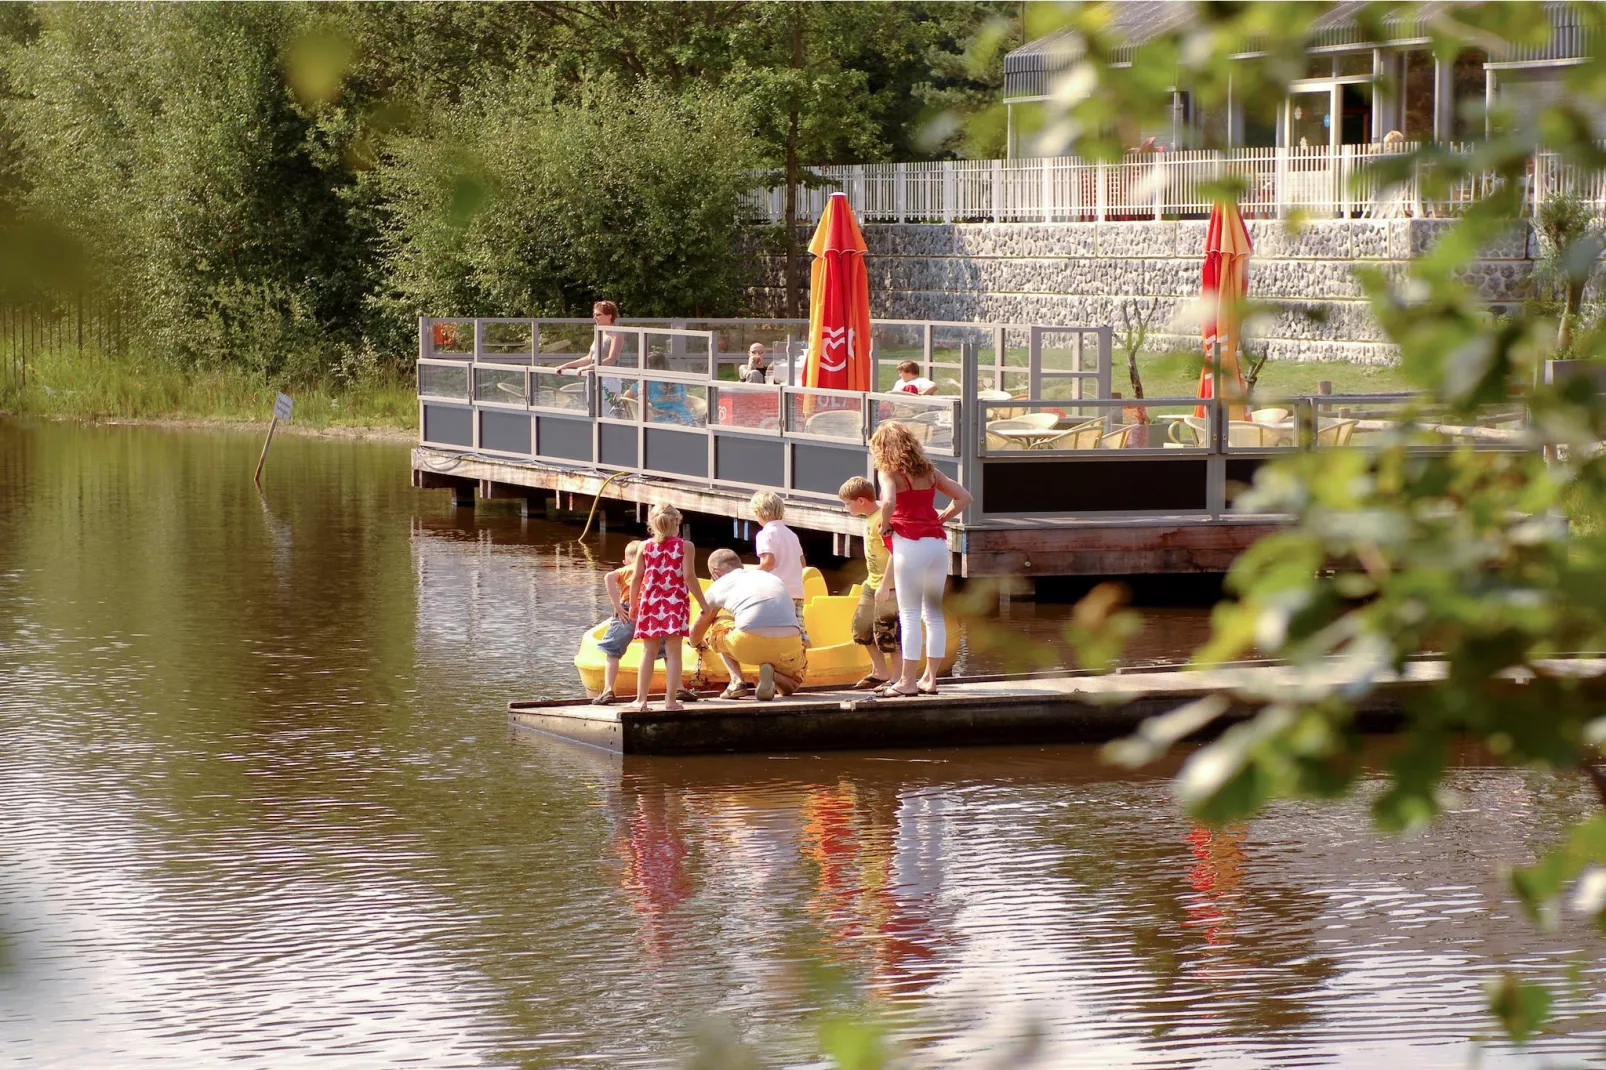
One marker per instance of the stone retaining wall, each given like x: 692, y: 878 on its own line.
x: 1081, y: 273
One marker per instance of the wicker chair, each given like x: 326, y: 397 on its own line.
x: 1336, y: 433
x: 1116, y: 440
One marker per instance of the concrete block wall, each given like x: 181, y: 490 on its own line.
x: 1082, y: 273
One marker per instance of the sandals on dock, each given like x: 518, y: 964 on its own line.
x: 736, y: 691
x: 892, y: 691
x: 871, y: 682
x: 608, y: 698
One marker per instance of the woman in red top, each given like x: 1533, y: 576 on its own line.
x: 661, y: 590
x: 914, y: 530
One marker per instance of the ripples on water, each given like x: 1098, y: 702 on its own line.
x: 259, y: 805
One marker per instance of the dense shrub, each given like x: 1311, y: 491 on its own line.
x: 516, y: 203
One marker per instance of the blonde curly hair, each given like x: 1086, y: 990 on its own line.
x: 895, y: 449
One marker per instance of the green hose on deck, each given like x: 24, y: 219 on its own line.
x: 596, y: 502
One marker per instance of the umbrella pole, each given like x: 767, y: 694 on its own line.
x: 1218, y: 426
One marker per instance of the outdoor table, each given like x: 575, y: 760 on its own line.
x: 1030, y: 438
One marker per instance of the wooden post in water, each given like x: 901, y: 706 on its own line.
x: 281, y: 411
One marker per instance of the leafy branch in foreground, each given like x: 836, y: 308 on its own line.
x: 1416, y: 544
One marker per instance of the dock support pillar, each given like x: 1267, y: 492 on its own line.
x: 463, y: 494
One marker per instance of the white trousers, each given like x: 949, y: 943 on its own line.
x: 920, y: 572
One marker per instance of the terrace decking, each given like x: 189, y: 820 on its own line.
x: 1068, y: 480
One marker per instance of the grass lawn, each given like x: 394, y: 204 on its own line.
x: 92, y: 387
x: 1168, y: 375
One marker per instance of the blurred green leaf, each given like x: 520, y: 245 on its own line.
x: 1521, y: 1006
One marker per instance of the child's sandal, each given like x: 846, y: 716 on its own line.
x: 607, y: 698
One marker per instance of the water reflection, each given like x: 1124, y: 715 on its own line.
x: 258, y: 796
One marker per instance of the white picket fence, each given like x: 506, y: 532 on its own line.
x: 1277, y: 182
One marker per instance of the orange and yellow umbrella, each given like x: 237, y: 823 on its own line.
x: 1226, y: 284
x: 839, y: 302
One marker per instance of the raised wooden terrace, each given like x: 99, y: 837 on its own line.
x: 1066, y: 482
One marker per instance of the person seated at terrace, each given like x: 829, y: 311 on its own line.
x: 762, y: 628
x: 757, y: 368
x: 910, y: 381
x: 666, y: 402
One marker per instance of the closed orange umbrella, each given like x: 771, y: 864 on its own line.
x: 1226, y: 284
x: 839, y: 302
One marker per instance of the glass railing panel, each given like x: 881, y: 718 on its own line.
x: 826, y: 415
x: 449, y: 337
x: 1162, y: 424
x: 675, y: 403
x: 564, y: 393
x: 1394, y: 420
x: 895, y: 342
x: 563, y: 342
x: 932, y: 420
x: 617, y: 397
x: 1266, y: 422
x: 750, y: 408
x: 682, y: 353
x: 443, y: 380
x: 506, y: 341
x: 501, y: 386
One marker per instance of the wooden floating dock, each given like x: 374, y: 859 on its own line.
x: 1044, y: 546
x: 991, y: 710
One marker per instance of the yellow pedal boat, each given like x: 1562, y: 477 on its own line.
x: 834, y: 658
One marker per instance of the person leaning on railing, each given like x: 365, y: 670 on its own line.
x: 604, y: 314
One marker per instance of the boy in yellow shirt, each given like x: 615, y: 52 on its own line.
x: 875, y: 619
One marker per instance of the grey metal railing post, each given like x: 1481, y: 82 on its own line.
x: 1076, y: 366
x: 948, y: 197
x: 1102, y: 191
x: 1000, y: 355
x: 426, y: 346
x: 1034, y: 363
x: 1106, y: 354
x: 969, y: 419
x: 1216, y: 461
x: 479, y: 339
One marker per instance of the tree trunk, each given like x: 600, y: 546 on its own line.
x: 794, y: 281
x: 1569, y: 311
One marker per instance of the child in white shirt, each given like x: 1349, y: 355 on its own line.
x: 910, y: 381
x: 778, y: 548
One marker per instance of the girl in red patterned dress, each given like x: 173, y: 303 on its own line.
x: 661, y: 590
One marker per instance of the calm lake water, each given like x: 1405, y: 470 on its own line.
x: 260, y: 806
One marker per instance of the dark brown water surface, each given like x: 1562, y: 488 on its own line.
x: 260, y: 807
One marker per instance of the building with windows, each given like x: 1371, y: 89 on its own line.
x: 1354, y: 92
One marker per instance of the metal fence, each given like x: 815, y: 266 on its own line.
x: 83, y: 323
x: 1033, y: 435
x: 1276, y: 182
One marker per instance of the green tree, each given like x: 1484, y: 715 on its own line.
x: 837, y: 83
x: 518, y: 203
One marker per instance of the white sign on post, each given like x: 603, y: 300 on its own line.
x: 281, y: 411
